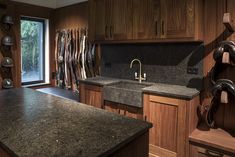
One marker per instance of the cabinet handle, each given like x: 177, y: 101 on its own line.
x: 106, y: 31
x: 156, y: 31
x: 111, y: 31
x: 163, y: 29
x: 214, y: 153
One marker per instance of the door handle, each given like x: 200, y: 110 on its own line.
x: 106, y: 31
x: 213, y: 153
x: 156, y: 30
x: 111, y: 31
x: 163, y: 28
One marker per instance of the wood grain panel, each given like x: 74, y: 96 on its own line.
x: 121, y: 17
x: 178, y: 18
x: 146, y: 19
x: 73, y: 16
x: 91, y: 95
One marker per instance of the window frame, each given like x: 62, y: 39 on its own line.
x: 34, y: 19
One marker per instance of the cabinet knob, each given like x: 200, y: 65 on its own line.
x: 213, y: 153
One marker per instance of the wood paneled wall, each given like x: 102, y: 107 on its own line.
x: 73, y: 16
x: 214, y: 33
x: 69, y: 17
x: 16, y: 10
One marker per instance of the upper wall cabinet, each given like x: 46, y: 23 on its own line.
x: 145, y: 20
x: 110, y: 19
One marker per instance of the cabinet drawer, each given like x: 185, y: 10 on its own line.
x: 207, y: 152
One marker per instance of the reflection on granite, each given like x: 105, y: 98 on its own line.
x: 33, y: 124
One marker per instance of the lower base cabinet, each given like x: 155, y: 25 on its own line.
x: 173, y: 120
x: 91, y: 95
x: 129, y: 111
x: 203, y: 151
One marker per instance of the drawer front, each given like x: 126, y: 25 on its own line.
x: 196, y: 151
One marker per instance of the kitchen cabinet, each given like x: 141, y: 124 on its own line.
x: 178, y: 18
x: 98, y: 19
x: 91, y: 95
x: 122, y: 109
x: 173, y: 120
x: 202, y: 151
x: 147, y: 19
x: 112, y: 19
x: 146, y: 15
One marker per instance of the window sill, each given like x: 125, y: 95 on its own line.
x: 37, y: 85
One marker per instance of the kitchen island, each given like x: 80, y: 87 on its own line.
x: 37, y: 124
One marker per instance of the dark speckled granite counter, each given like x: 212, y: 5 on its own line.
x: 33, y: 124
x: 175, y: 91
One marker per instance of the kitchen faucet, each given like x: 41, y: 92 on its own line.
x: 140, y: 78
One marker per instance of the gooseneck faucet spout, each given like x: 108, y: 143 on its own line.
x: 140, y: 78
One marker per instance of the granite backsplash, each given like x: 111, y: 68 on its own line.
x: 169, y: 63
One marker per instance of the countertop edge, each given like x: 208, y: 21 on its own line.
x: 184, y: 97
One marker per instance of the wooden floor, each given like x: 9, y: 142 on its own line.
x: 59, y: 92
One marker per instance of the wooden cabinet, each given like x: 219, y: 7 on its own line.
x: 146, y: 15
x: 98, y: 19
x: 202, y: 151
x: 178, y: 18
x: 129, y: 111
x: 112, y: 19
x: 147, y: 19
x: 172, y: 123
x: 91, y: 95
x: 120, y: 27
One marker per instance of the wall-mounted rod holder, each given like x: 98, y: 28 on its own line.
x: 224, y: 97
x: 227, y: 21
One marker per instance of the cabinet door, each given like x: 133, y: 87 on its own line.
x: 91, y: 95
x: 196, y: 151
x: 146, y: 19
x: 100, y: 14
x: 178, y: 20
x: 164, y: 131
x: 121, y: 19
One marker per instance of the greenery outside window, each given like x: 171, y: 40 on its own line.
x: 32, y: 50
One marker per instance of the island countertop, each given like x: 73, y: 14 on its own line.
x: 37, y: 124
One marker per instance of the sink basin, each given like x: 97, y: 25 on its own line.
x: 125, y: 92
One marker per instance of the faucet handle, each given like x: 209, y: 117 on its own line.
x: 135, y: 74
x: 145, y: 75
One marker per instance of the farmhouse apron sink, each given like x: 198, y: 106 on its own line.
x: 125, y: 92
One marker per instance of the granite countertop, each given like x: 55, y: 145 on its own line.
x: 175, y: 91
x: 34, y: 124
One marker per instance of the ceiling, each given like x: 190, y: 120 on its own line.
x: 51, y: 3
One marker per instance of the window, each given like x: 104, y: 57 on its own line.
x: 32, y: 50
